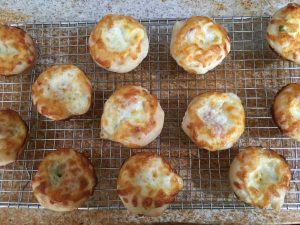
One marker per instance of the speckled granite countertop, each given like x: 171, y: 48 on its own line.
x: 46, y: 217
x: 79, y: 10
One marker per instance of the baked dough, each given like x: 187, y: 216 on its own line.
x: 214, y: 120
x: 62, y: 91
x: 132, y: 116
x: 199, y: 44
x: 17, y: 51
x: 286, y: 110
x: 118, y: 43
x: 147, y: 184
x: 260, y: 177
x: 283, y: 32
x: 64, y: 180
x: 13, y: 133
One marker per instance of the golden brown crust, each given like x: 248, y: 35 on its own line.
x: 62, y: 91
x: 192, y: 47
x: 147, y: 184
x: 13, y: 133
x: 286, y: 110
x: 132, y: 43
x: 283, y: 32
x: 132, y: 116
x: 64, y: 180
x: 17, y: 51
x: 214, y: 120
x: 260, y: 177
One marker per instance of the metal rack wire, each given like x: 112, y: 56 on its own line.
x: 251, y: 70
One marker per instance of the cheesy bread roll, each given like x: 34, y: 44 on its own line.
x: 18, y: 52
x: 62, y: 91
x: 132, y: 117
x: 214, y: 120
x: 13, y: 134
x: 286, y: 110
x: 118, y: 43
x: 199, y: 44
x: 64, y: 180
x: 283, y: 32
x: 147, y: 184
x: 260, y: 177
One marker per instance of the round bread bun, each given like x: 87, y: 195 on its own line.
x: 283, y: 32
x: 13, y: 134
x: 118, y: 43
x: 18, y: 52
x: 260, y: 177
x: 286, y: 110
x: 199, y: 44
x: 62, y: 91
x: 214, y: 120
x: 132, y: 117
x: 64, y: 181
x: 147, y: 184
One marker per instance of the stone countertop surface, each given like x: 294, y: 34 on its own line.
x: 179, y: 217
x: 91, y: 10
x: 82, y: 10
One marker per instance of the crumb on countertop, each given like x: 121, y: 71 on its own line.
x: 246, y: 4
x: 219, y: 6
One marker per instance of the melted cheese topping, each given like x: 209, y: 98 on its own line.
x: 118, y: 43
x: 260, y: 177
x: 214, y: 121
x: 120, y: 38
x: 295, y: 108
x: 133, y: 112
x: 214, y: 117
x: 147, y: 185
x: 283, y: 32
x: 7, y: 51
x: 62, y: 88
x: 132, y: 117
x: 264, y: 175
x: 153, y: 178
x: 199, y: 44
x: 62, y: 91
x: 203, y: 38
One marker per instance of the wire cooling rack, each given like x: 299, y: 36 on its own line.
x: 251, y: 70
